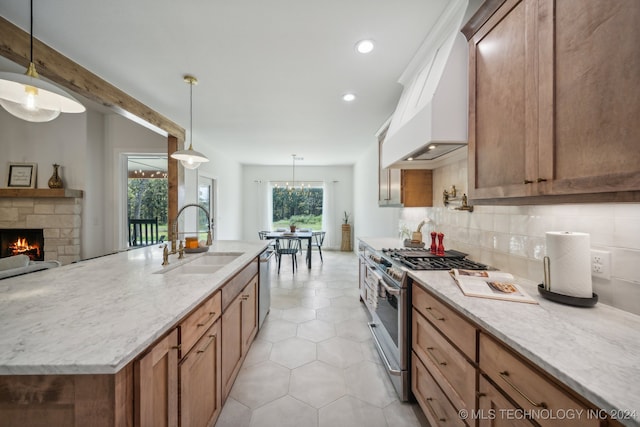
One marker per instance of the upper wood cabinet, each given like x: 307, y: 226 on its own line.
x: 403, y: 187
x: 554, y: 102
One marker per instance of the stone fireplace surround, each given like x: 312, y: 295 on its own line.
x: 57, y: 212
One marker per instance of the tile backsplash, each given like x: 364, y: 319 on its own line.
x: 512, y: 238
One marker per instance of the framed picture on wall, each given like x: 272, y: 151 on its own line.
x: 22, y: 175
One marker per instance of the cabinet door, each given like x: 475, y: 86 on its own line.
x: 417, y: 187
x: 591, y: 107
x: 503, y: 103
x: 249, y: 314
x: 231, y: 344
x: 390, y: 187
x: 389, y: 180
x: 431, y: 399
x: 156, y: 385
x: 494, y: 410
x: 200, y: 382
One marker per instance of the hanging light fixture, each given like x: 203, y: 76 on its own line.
x: 190, y: 158
x: 29, y: 98
x: 293, y: 174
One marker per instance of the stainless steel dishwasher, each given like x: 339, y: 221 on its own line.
x: 264, y: 302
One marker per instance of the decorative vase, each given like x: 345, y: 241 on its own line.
x: 55, y: 181
x: 292, y: 228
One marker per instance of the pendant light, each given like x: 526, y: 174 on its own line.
x: 190, y: 158
x: 293, y: 174
x: 29, y: 98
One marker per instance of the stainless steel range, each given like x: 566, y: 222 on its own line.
x: 422, y: 259
x: 385, y: 292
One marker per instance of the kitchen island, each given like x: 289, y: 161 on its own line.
x: 591, y: 353
x: 94, y: 320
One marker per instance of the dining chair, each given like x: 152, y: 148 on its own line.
x: 293, y: 246
x: 318, y: 240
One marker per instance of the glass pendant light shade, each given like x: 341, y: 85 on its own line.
x: 190, y: 158
x: 25, y: 112
x: 29, y: 98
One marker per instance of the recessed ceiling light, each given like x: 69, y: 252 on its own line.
x: 348, y: 97
x: 364, y: 46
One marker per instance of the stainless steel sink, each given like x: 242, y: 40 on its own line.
x: 216, y: 258
x: 208, y: 263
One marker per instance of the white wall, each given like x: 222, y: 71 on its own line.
x: 340, y: 178
x: 228, y: 176
x: 369, y: 220
x: 122, y: 136
x: 61, y: 141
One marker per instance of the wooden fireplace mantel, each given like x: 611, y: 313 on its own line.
x: 40, y: 192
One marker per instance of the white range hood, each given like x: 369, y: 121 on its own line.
x: 430, y: 120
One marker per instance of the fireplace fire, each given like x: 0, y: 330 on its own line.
x: 22, y: 246
x: 22, y: 242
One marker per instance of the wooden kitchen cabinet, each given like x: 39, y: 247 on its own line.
x: 194, y: 326
x: 530, y: 389
x: 444, y: 345
x: 156, y: 385
x: 553, y: 102
x: 249, y: 314
x: 200, y: 381
x: 403, y: 187
x: 430, y: 397
x: 454, y: 374
x: 239, y: 327
x: 495, y: 409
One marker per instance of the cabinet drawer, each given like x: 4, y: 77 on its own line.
x: 432, y: 400
x: 527, y: 387
x: 195, y: 325
x: 496, y: 410
x: 447, y: 321
x: 455, y: 375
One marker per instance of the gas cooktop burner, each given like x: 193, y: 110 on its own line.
x: 420, y: 259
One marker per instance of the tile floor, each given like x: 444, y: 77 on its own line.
x: 313, y: 363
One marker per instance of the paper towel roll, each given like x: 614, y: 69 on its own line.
x: 570, y: 263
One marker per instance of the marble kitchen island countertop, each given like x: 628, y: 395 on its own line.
x: 95, y: 316
x: 594, y: 351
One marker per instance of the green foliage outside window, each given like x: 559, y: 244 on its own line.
x: 300, y: 206
x: 148, y: 199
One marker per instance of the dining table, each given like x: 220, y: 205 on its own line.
x: 287, y: 235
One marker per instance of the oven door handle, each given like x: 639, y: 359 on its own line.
x: 390, y: 290
x: 392, y: 371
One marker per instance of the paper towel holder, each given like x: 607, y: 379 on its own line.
x: 567, y: 299
x: 545, y: 290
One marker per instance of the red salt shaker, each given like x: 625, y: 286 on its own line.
x: 440, y: 249
x: 434, y: 247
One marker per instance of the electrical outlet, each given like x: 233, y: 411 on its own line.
x: 601, y: 264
